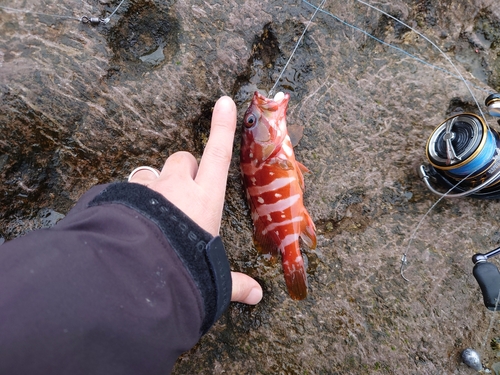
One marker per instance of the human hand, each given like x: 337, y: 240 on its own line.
x: 199, y: 190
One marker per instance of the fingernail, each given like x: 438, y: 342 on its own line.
x: 254, y: 296
x: 227, y: 102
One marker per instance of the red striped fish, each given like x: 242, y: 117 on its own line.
x: 274, y: 186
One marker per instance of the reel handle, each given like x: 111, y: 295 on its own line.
x: 487, y: 276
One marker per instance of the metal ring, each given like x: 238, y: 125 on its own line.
x: 151, y: 169
x: 425, y: 177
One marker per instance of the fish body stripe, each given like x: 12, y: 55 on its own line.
x: 275, y: 225
x: 272, y: 186
x: 289, y: 240
x: 279, y: 206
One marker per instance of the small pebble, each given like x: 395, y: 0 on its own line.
x: 471, y: 358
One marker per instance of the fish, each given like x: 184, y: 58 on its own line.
x: 274, y: 184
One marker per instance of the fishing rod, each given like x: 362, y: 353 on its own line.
x: 487, y: 276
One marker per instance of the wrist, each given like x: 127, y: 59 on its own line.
x: 202, y: 254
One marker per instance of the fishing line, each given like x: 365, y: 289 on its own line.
x: 38, y: 13
x: 404, y: 257
x: 91, y: 20
x: 106, y: 20
x: 442, y: 196
x: 413, y: 235
x: 435, y: 46
x: 490, y: 326
x: 296, y: 46
x: 418, y: 59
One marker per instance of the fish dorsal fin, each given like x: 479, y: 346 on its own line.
x: 295, y: 132
x: 307, y: 231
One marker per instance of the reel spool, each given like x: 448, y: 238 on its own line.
x: 464, y: 156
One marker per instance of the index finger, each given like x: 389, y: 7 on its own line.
x: 214, y: 164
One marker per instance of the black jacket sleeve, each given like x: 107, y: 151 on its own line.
x: 124, y: 284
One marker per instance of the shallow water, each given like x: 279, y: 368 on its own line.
x: 82, y: 105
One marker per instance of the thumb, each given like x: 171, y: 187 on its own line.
x: 245, y: 289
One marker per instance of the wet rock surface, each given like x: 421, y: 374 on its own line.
x: 83, y: 104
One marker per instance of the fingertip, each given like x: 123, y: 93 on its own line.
x: 224, y: 113
x: 255, y: 296
x: 226, y: 102
x: 245, y: 289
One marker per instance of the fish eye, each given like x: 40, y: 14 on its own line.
x: 250, y: 120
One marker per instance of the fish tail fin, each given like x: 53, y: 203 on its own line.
x: 307, y: 231
x: 295, y: 272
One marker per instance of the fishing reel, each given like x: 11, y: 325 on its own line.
x: 464, y: 156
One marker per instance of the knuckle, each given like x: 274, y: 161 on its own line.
x: 181, y: 156
x: 219, y: 153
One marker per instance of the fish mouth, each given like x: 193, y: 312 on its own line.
x: 279, y: 97
x: 270, y: 104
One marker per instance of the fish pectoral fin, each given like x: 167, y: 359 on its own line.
x: 307, y: 231
x: 269, y: 253
x: 301, y: 168
x: 264, y: 242
x: 267, y: 150
x: 286, y: 165
x: 266, y: 247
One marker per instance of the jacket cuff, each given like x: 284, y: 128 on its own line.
x: 202, y: 254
